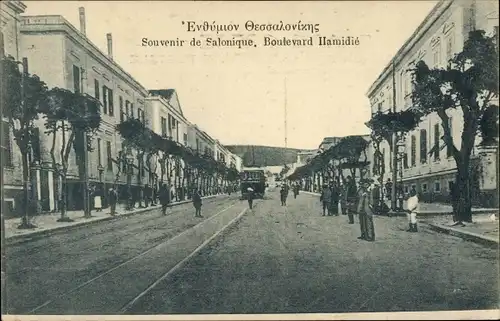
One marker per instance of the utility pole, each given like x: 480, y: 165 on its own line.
x: 86, y: 198
x: 394, y: 144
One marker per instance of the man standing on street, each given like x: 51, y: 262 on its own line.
x: 284, y: 194
x: 251, y: 196
x: 164, y: 198
x: 326, y: 199
x: 412, y: 210
x: 351, y: 198
x: 365, y: 211
x: 197, y: 202
x: 113, y: 198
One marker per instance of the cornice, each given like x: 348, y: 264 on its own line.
x: 57, y: 24
x: 421, y: 30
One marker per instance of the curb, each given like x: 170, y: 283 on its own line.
x: 22, y: 238
x: 469, y: 236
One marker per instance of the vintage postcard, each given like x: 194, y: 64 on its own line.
x: 238, y: 160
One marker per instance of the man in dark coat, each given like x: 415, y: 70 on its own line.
x: 351, y: 198
x: 365, y: 212
x: 335, y: 199
x: 326, y: 199
x: 113, y: 199
x: 197, y: 203
x: 283, y: 194
x: 164, y: 198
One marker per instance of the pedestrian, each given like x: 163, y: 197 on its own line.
x: 412, y: 209
x: 335, y: 200
x: 295, y: 190
x: 365, y: 212
x: 250, y: 197
x: 388, y: 189
x: 97, y: 199
x: 351, y: 198
x: 326, y: 199
x: 113, y: 198
x: 197, y: 202
x: 165, y: 198
x: 146, y: 195
x: 283, y: 194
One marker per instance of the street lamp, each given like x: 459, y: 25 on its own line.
x: 401, y: 150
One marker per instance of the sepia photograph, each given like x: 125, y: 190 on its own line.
x: 250, y: 160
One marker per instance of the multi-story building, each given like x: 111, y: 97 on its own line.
x: 10, y: 154
x: 436, y: 40
x: 78, y: 65
x: 165, y: 117
x: 200, y: 141
x: 236, y: 161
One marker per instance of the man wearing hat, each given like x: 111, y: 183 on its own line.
x: 365, y: 211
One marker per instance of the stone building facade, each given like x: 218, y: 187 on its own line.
x: 436, y: 40
x: 78, y: 65
x: 10, y: 14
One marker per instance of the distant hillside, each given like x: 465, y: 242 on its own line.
x: 264, y: 155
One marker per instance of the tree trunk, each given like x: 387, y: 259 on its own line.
x: 25, y: 223
x: 463, y: 198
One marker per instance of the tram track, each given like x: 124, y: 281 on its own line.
x: 66, y: 295
x: 160, y: 222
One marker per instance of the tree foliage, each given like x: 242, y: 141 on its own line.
x: 469, y: 83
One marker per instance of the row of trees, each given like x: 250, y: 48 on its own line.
x: 332, y: 163
x: 74, y: 116
x: 469, y: 83
x: 192, y: 169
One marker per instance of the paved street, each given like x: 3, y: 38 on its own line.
x: 276, y: 259
x: 97, y: 268
x: 288, y: 260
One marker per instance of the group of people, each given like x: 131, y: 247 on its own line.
x: 348, y: 197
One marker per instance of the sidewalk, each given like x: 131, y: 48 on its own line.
x: 483, y: 229
x: 47, y: 223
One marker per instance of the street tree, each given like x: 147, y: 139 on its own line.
x: 23, y: 96
x: 469, y: 84
x: 382, y: 128
x: 75, y: 117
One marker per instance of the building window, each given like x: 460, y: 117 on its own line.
x: 424, y: 188
x: 413, y: 151
x: 436, y: 54
x: 99, y: 158
x: 197, y: 145
x: 450, y: 185
x: 127, y: 108
x: 6, y: 144
x: 449, y: 149
x: 406, y: 189
x: 437, y: 187
x: 140, y: 115
x: 122, y: 115
x: 111, y: 109
x: 35, y: 145
x: 379, y: 107
x: 185, y: 139
x: 163, y: 126
x: 437, y: 138
x: 109, y: 156
x: 105, y: 99
x: 131, y: 110
x: 414, y: 187
x: 423, y: 146
x: 76, y: 79
x: 405, y: 160
x: 96, y: 90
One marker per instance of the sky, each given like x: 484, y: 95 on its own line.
x: 239, y: 96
